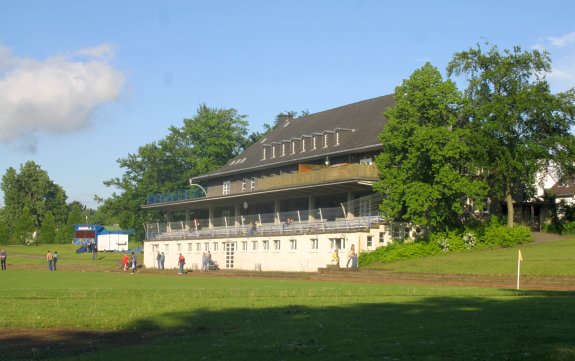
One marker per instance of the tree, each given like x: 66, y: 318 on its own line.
x: 520, y: 128
x: 203, y: 143
x: 24, y: 228
x: 47, y: 233
x: 76, y: 216
x: 426, y: 159
x: 5, y: 229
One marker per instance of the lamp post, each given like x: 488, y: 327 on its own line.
x: 199, y: 186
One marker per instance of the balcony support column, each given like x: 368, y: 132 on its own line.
x: 237, y: 215
x: 350, y: 214
x: 210, y: 217
x: 277, y: 211
x: 310, y: 206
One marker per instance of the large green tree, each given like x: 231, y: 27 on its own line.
x: 203, y: 143
x: 520, y: 128
x: 426, y: 159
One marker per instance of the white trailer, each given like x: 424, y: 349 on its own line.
x: 112, y: 242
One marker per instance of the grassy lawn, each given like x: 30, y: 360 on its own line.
x: 540, y: 259
x: 215, y: 318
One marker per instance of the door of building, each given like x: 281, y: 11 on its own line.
x: 230, y: 251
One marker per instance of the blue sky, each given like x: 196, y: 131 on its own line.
x: 83, y: 83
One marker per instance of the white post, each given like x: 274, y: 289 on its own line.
x: 518, y: 268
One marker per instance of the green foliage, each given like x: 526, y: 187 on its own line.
x: 569, y: 227
x: 5, y: 229
x: 425, y: 152
x: 24, y: 228
x: 519, y: 127
x: 76, y: 216
x: 503, y: 236
x: 47, y: 232
x: 398, y: 251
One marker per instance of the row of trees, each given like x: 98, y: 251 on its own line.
x: 446, y: 150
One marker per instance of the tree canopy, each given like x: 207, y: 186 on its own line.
x: 520, y: 128
x: 426, y: 153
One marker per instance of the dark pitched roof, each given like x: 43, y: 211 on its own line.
x: 563, y: 189
x: 359, y: 125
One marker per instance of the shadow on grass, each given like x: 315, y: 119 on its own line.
x: 531, y: 326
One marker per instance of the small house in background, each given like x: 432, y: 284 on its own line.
x: 89, y: 236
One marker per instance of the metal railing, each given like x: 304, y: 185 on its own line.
x: 180, y: 195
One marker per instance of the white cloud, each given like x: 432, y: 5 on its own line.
x: 563, y: 40
x: 102, y: 51
x: 55, y: 95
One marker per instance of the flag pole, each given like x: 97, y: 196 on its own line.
x: 519, y: 259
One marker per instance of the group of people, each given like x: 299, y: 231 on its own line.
x: 206, y: 258
x: 351, y: 257
x: 160, y: 259
x: 52, y: 260
x: 133, y: 263
x: 255, y: 227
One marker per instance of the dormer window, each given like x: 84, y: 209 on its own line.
x: 283, y: 149
x: 293, y: 147
x: 303, y: 145
x: 273, y: 151
x: 264, y: 153
x: 325, y: 140
x: 337, y: 137
x: 314, y: 141
x: 227, y: 186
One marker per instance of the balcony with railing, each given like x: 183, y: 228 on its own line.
x: 305, y: 176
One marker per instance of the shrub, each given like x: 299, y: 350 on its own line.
x: 569, y: 228
x: 398, y: 251
x: 497, y: 234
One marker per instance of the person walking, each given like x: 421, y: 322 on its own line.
x: 94, y: 253
x: 3, y: 256
x: 50, y: 259
x: 162, y: 260
x: 181, y: 263
x: 350, y: 256
x: 55, y: 259
x: 134, y: 263
x: 125, y: 262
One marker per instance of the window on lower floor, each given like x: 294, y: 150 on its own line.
x: 293, y: 244
x: 198, y: 247
x: 190, y: 247
x: 206, y: 246
x: 381, y: 237
x: 215, y: 246
x: 166, y: 248
x: 255, y: 245
x: 244, y: 245
x: 369, y: 241
x: 313, y: 243
x: 337, y: 243
x: 266, y: 245
x: 277, y: 244
x: 179, y: 247
x: 155, y: 248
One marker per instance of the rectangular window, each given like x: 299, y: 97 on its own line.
x: 266, y: 245
x: 244, y: 181
x: 369, y: 241
x: 337, y: 137
x: 325, y: 140
x: 253, y: 184
x: 215, y: 246
x: 381, y: 237
x: 190, y: 247
x: 337, y: 243
x: 303, y: 145
x: 166, y: 248
x: 273, y: 151
x: 244, y: 245
x: 179, y: 247
x: 293, y: 147
x: 283, y: 149
x: 227, y: 187
x: 314, y: 142
x: 293, y: 244
x: 264, y: 153
x: 277, y: 244
x: 254, y: 245
x: 198, y: 247
x: 206, y: 246
x: 313, y: 243
x: 155, y: 248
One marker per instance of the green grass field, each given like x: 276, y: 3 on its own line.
x: 164, y: 316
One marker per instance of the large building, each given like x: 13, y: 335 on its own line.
x: 287, y: 202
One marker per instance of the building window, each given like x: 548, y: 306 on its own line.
x: 277, y: 244
x: 293, y: 147
x: 266, y: 245
x: 155, y: 248
x: 215, y: 246
x: 254, y: 245
x: 325, y: 140
x: 369, y: 241
x: 337, y: 243
x: 253, y: 184
x: 313, y: 243
x: 190, y: 247
x: 244, y: 245
x: 244, y: 181
x: 227, y: 187
x: 293, y: 244
x: 337, y: 137
x: 166, y: 248
x: 303, y: 145
x: 381, y: 237
x: 398, y: 231
x: 273, y: 151
x: 283, y: 149
x: 206, y: 246
x: 179, y: 247
x: 198, y: 247
x: 314, y: 142
x: 264, y: 153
